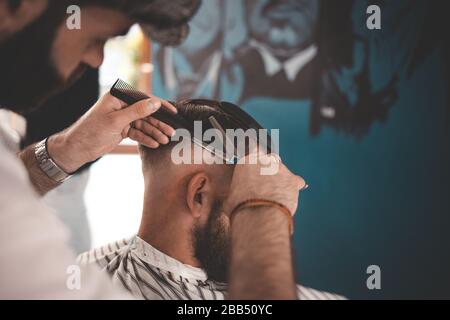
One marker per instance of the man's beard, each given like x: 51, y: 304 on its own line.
x: 28, y: 76
x: 212, y: 246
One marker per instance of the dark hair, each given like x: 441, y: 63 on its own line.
x: 197, y: 110
x: 14, y: 4
x: 202, y: 109
x: 63, y: 109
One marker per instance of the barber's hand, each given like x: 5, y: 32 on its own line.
x: 104, y: 126
x: 248, y: 182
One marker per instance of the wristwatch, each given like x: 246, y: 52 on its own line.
x: 46, y: 163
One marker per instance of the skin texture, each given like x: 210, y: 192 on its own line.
x: 261, y: 263
x: 178, y: 199
x: 85, y: 46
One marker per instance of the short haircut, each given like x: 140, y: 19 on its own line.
x: 196, y: 110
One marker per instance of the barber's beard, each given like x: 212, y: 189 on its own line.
x: 28, y: 77
x: 212, y: 246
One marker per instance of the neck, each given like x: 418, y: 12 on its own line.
x: 163, y: 229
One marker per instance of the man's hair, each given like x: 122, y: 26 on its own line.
x: 195, y: 110
x: 14, y: 4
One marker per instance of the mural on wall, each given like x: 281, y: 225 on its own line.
x: 279, y: 49
x: 291, y: 49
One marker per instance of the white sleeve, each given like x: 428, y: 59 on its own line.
x: 35, y: 261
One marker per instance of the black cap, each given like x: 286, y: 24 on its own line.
x: 164, y: 21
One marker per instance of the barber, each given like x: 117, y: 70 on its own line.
x: 35, y: 260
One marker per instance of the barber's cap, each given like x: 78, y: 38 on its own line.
x: 164, y: 21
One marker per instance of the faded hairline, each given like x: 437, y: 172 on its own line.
x: 192, y: 110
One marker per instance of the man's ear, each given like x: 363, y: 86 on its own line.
x: 199, y: 195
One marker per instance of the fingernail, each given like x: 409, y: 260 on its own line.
x: 152, y: 106
x: 305, y: 187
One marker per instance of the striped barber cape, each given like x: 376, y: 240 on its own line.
x: 150, y: 274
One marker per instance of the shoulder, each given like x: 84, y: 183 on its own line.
x: 105, y: 254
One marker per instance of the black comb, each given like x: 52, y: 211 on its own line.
x: 125, y: 92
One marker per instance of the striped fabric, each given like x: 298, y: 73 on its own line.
x: 150, y: 274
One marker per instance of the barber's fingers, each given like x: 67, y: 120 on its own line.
x: 275, y: 158
x: 298, y: 183
x: 168, y: 105
x: 255, y: 157
x: 301, y: 183
x: 139, y: 110
x: 140, y: 137
x: 150, y: 130
x: 163, y: 127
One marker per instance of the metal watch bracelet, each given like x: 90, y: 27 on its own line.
x: 46, y: 163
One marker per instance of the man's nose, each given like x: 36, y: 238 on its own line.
x: 94, y: 57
